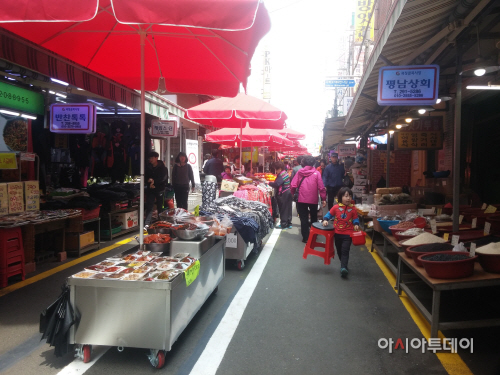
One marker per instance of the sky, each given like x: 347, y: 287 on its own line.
x: 303, y: 42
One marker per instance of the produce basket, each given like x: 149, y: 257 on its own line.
x: 90, y: 214
x: 385, y: 224
x: 489, y: 262
x: 412, y: 253
x: 455, y: 269
x: 468, y: 235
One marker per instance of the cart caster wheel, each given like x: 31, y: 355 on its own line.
x: 161, y: 359
x: 240, y: 265
x: 87, y: 352
x: 216, y: 290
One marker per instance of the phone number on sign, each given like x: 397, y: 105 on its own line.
x: 11, y: 96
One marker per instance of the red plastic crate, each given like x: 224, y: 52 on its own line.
x: 90, y: 214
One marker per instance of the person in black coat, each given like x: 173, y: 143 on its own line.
x: 156, y: 178
x: 182, y: 174
x: 214, y: 166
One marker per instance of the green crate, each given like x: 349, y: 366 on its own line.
x: 105, y: 232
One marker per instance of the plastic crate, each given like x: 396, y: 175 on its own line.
x: 105, y: 232
x: 90, y: 214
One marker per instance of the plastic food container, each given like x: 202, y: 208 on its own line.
x: 455, y: 269
x: 396, y: 230
x: 416, y: 254
x: 468, y: 235
x: 489, y: 262
x: 385, y: 224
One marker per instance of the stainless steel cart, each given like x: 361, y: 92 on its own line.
x: 141, y: 314
x: 238, y: 250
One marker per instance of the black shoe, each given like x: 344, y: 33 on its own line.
x: 305, y: 241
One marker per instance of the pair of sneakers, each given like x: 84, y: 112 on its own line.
x: 280, y: 227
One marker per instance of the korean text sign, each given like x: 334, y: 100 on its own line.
x: 408, y: 85
x: 423, y: 134
x: 364, y: 9
x: 72, y: 118
x: 164, y: 128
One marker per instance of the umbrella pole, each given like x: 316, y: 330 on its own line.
x: 241, y: 143
x: 143, y: 133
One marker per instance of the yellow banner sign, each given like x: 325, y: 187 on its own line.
x: 418, y: 140
x: 364, y: 9
x: 8, y: 160
x: 192, y: 273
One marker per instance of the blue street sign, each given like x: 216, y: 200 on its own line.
x: 339, y: 83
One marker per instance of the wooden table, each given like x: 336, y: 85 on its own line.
x: 389, y: 250
x: 407, y: 273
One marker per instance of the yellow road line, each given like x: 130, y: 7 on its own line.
x: 55, y: 270
x: 452, y: 363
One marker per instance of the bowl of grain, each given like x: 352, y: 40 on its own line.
x: 416, y: 251
x: 448, y: 264
x: 489, y: 257
x: 422, y: 239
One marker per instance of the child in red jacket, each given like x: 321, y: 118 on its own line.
x: 345, y: 221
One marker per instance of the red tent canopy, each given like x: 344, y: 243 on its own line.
x: 292, y: 134
x: 235, y: 112
x: 204, y: 49
x: 250, y: 137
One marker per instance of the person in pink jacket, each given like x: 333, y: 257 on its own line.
x: 309, y: 183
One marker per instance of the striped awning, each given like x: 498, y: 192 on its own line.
x: 416, y: 32
x: 21, y: 52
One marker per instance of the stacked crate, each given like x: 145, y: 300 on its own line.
x: 11, y: 255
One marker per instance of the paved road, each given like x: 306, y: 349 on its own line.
x: 302, y: 318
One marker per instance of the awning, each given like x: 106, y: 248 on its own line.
x: 26, y: 54
x: 416, y: 32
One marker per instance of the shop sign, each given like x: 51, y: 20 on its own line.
x: 72, y: 118
x: 408, y: 85
x: 364, y: 9
x: 27, y: 156
x: 339, y: 83
x: 425, y: 134
x: 347, y: 150
x: 192, y: 154
x: 347, y: 103
x: 21, y: 99
x: 192, y: 273
x: 16, y: 197
x: 8, y: 160
x: 164, y: 128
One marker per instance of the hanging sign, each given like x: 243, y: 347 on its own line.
x: 8, y: 160
x: 347, y: 150
x: 192, y: 154
x: 72, y: 118
x: 28, y: 156
x: 192, y: 273
x: 424, y: 134
x: 20, y: 99
x: 408, y: 85
x: 164, y: 128
x: 363, y: 11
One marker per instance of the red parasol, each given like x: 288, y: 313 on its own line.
x: 249, y: 137
x: 233, y: 112
x: 202, y: 47
x: 292, y: 134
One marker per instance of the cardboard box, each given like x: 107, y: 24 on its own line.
x: 128, y: 219
x: 75, y: 241
x: 229, y: 186
x: 32, y: 195
x: 15, y: 192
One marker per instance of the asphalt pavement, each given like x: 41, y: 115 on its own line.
x: 301, y: 318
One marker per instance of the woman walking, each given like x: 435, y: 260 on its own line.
x: 309, y: 183
x: 284, y: 197
x: 182, y: 174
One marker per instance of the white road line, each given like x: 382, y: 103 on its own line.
x: 210, y: 359
x: 77, y: 367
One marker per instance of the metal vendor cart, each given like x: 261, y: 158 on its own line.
x: 238, y: 249
x: 141, y: 314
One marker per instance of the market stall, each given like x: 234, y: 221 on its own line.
x: 167, y: 286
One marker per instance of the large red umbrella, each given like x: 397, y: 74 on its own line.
x: 233, y: 112
x: 292, y: 134
x: 249, y: 137
x: 201, y: 46
x: 294, y: 147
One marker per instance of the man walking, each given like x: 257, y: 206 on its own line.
x: 332, y: 178
x: 214, y: 166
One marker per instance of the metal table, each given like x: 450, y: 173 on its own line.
x: 409, y: 273
x: 142, y: 314
x: 389, y: 250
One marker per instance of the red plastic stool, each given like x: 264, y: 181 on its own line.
x: 317, y: 229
